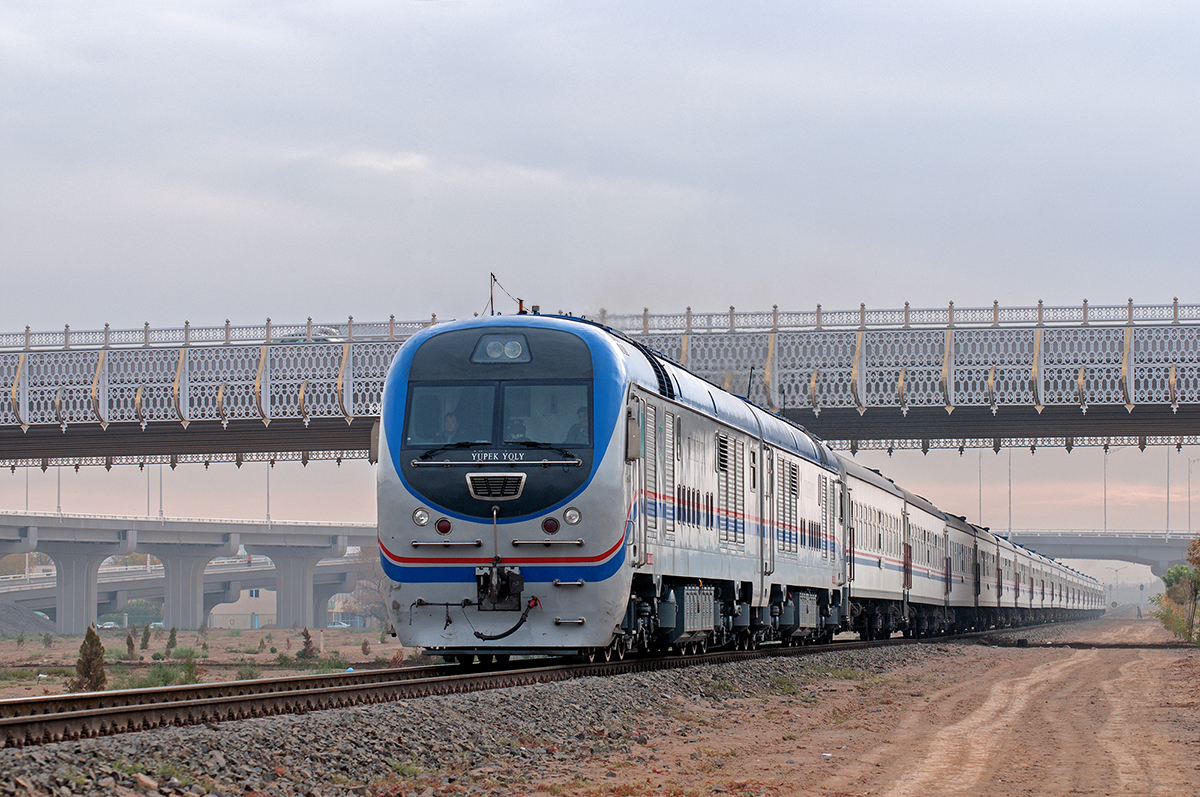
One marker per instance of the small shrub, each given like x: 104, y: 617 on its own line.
x: 21, y: 639
x: 130, y: 646
x: 274, y: 649
x: 183, y: 653
x: 16, y: 675
x: 247, y: 672
x: 234, y: 632
x: 366, y: 647
x: 89, y: 668
x: 309, y: 651
x: 173, y: 639
x: 47, y: 640
x: 157, y: 656
x: 145, y: 645
x: 262, y: 644
x: 285, y: 660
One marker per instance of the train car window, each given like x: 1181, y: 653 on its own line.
x: 753, y: 470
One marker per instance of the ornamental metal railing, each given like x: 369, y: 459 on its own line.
x: 1125, y: 355
x: 904, y: 318
x: 227, y: 335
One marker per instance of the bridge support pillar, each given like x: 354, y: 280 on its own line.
x: 183, y: 566
x: 321, y: 595
x: 232, y: 590
x: 294, y: 569
x: 77, y: 568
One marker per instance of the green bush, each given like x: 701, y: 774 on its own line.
x: 157, y: 656
x: 247, y: 672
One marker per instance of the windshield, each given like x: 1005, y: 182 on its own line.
x: 519, y: 413
x: 440, y: 414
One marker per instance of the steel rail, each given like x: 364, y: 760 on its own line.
x: 54, y: 718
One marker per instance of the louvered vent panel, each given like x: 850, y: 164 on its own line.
x: 496, y: 486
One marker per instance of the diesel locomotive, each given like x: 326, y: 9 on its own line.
x: 548, y: 485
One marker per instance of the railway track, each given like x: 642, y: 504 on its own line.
x: 54, y: 718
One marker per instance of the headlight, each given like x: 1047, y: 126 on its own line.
x: 572, y: 516
x: 420, y: 516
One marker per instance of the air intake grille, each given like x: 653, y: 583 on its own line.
x: 496, y: 486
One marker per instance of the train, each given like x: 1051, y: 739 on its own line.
x: 548, y: 485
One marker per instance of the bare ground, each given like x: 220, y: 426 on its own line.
x: 997, y: 721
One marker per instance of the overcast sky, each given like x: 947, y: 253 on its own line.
x: 168, y: 161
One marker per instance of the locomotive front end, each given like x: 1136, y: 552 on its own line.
x: 501, y: 512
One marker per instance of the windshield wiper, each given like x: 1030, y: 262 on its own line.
x: 452, y: 446
x: 542, y: 447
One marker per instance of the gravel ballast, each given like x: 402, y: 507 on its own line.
x: 478, y: 743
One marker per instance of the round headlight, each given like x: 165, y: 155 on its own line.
x: 495, y: 349
x: 550, y: 525
x: 420, y: 516
x: 572, y: 516
x: 443, y: 526
x: 512, y: 350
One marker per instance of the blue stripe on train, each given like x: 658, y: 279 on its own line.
x: 428, y: 574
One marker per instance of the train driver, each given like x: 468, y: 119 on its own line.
x: 578, y: 433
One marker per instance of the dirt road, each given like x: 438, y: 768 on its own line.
x: 994, y: 721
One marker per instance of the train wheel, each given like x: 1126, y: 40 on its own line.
x: 589, y: 655
x: 607, y: 653
x: 704, y: 645
x: 620, y: 652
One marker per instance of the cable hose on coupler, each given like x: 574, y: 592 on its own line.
x: 524, y: 616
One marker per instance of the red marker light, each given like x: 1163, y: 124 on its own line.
x: 550, y: 525
x: 443, y: 526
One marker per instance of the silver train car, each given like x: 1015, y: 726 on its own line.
x: 548, y: 485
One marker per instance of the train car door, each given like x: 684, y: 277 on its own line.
x: 767, y: 511
x: 949, y: 575
x: 635, y: 524
x: 976, y: 568
x: 848, y: 527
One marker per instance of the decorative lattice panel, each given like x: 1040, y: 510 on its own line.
x: 1009, y: 351
x: 831, y: 354
x: 1155, y: 350
x: 665, y: 343
x: 65, y: 375
x: 1098, y: 350
x: 228, y: 371
x: 8, y: 372
x: 369, y: 365
x: 918, y: 352
x: 315, y: 365
x: 153, y: 370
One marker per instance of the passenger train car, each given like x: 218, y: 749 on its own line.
x: 548, y: 485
